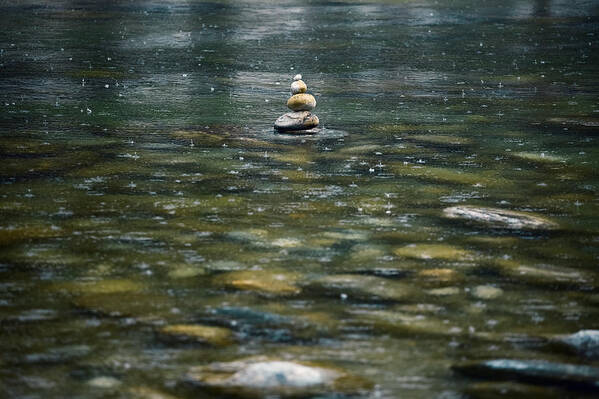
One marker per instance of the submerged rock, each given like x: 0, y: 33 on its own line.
x: 487, y: 292
x: 539, y: 157
x: 535, y: 371
x: 439, y: 276
x: 400, y: 323
x: 263, y: 377
x: 108, y: 286
x: 104, y: 382
x: 584, y: 342
x: 144, y: 307
x: 512, y: 390
x: 355, y: 286
x: 434, y: 251
x: 500, y: 218
x: 263, y: 281
x: 292, y: 121
x: 542, y: 274
x: 60, y: 354
x: 142, y: 392
x: 446, y: 291
x: 439, y: 139
x: 216, y: 336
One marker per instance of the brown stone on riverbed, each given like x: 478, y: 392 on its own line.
x: 217, y: 336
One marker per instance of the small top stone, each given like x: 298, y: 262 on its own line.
x: 297, y: 77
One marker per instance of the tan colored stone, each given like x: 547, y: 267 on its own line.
x: 216, y: 336
x: 263, y: 281
x: 439, y: 275
x: 301, y: 102
x: 487, y: 292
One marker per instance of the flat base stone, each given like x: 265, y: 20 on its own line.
x: 296, y: 121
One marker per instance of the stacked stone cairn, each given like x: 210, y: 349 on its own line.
x: 301, y: 120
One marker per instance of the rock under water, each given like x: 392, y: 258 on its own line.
x: 535, y: 371
x: 584, y: 342
x: 500, y: 218
x: 263, y: 377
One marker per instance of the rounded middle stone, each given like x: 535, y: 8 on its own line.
x: 301, y: 102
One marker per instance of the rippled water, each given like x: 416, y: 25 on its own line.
x: 141, y: 180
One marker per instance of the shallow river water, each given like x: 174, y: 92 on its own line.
x: 146, y: 200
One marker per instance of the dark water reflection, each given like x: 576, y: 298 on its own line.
x: 141, y: 177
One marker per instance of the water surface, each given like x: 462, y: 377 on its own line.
x: 139, y: 167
